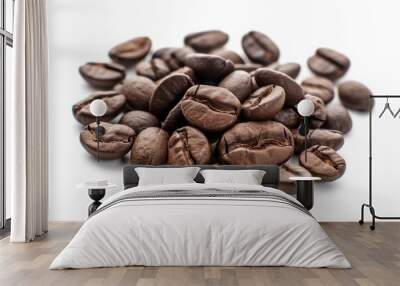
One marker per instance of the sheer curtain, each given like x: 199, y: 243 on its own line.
x: 26, y: 123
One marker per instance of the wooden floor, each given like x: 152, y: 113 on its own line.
x: 375, y: 257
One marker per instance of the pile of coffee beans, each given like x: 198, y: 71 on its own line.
x: 204, y: 104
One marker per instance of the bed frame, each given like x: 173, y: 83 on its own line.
x: 271, y: 177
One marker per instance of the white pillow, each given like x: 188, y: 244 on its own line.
x: 166, y: 176
x: 247, y: 177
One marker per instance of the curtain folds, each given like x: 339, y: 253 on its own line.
x: 27, y: 135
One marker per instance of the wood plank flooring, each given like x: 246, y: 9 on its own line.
x: 375, y: 257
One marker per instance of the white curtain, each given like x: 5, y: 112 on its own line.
x: 26, y: 129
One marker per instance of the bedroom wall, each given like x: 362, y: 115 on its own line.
x: 82, y: 31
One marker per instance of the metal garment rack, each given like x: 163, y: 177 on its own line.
x: 370, y: 204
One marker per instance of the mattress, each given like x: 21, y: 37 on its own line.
x: 201, y: 225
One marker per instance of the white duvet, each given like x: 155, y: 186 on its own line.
x: 194, y: 231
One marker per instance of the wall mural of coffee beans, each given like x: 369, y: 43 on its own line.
x: 204, y: 104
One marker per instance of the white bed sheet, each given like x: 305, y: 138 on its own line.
x: 193, y: 231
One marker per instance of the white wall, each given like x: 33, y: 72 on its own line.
x: 83, y: 31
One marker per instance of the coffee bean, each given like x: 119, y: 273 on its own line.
x: 323, y: 162
x: 180, y: 54
x: 155, y: 69
x: 288, y: 170
x: 188, y: 146
x: 173, y: 57
x: 209, y: 67
x: 161, y: 53
x: 210, y: 108
x: 331, y: 138
x: 174, y: 119
x: 329, y: 63
x: 115, y: 104
x: 354, y: 95
x: 291, y: 69
x: 320, y: 87
x: 338, y: 118
x: 259, y: 48
x: 102, y: 75
x: 168, y: 56
x: 168, y: 92
x: 163, y: 94
x: 317, y: 119
x: 138, y: 92
x: 239, y: 83
x: 187, y: 71
x: 131, y: 51
x: 206, y: 41
x: 229, y: 55
x: 293, y: 91
x: 150, y: 147
x: 264, y: 103
x: 248, y: 143
x: 213, y: 139
x: 254, y: 85
x: 139, y: 120
x: 113, y: 144
x: 289, y: 117
x: 248, y: 67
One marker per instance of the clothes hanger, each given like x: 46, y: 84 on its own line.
x: 387, y: 107
x: 397, y: 113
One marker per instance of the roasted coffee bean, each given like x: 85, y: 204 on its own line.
x: 188, y: 146
x: 317, y: 119
x: 320, y: 87
x: 155, y: 69
x: 213, y: 139
x: 288, y: 170
x: 254, y: 84
x: 248, y: 143
x: 354, y: 95
x: 293, y: 91
x: 229, y: 55
x: 115, y: 104
x: 173, y: 57
x: 209, y: 67
x: 180, y: 54
x: 338, y: 118
x: 239, y: 83
x: 102, y: 75
x: 168, y: 92
x: 289, y: 117
x: 206, y: 41
x: 139, y: 120
x: 331, y: 138
x: 259, y: 48
x: 168, y: 56
x: 131, y: 51
x: 150, y: 147
x: 210, y: 108
x: 264, y: 103
x: 248, y: 67
x: 138, y: 92
x: 116, y: 141
x: 174, y: 119
x: 187, y: 71
x: 323, y: 162
x: 291, y: 69
x: 329, y: 63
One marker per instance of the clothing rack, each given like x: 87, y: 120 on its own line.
x: 370, y: 204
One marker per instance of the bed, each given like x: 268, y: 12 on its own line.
x: 198, y: 224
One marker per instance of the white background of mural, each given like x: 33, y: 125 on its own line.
x: 82, y: 31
